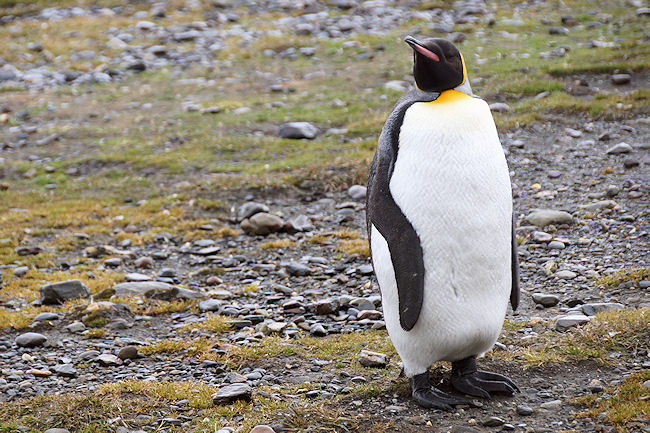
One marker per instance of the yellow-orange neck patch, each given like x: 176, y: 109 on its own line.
x: 449, y: 96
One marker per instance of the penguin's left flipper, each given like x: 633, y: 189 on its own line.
x: 466, y: 378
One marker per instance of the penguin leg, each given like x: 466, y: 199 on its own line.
x: 426, y: 395
x: 468, y: 379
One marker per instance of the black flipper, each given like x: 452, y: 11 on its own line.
x: 387, y: 217
x: 514, y: 290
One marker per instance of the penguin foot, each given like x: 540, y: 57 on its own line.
x: 426, y: 395
x: 466, y: 378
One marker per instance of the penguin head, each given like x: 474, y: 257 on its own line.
x: 438, y: 65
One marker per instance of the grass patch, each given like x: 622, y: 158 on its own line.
x: 198, y: 348
x: 214, y: 323
x: 355, y: 246
x: 277, y: 243
x: 622, y: 405
x: 622, y: 332
x: 622, y: 276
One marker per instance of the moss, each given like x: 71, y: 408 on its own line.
x: 621, y: 405
x: 277, y: 243
x: 622, y: 276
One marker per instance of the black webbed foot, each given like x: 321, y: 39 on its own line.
x: 426, y: 395
x: 466, y: 378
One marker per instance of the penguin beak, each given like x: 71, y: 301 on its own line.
x: 417, y: 46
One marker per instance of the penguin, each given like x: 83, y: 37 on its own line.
x: 441, y: 229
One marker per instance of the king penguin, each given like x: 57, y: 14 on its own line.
x: 440, y: 224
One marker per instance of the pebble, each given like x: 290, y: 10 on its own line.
x: 144, y: 262
x: 556, y: 245
x: 493, y: 421
x: 619, y: 148
x: 232, y: 392
x: 595, y: 386
x: 621, y: 78
x: 46, y: 316
x: 297, y: 130
x: 31, y: 339
x: 57, y: 293
x: 563, y: 323
x: 545, y: 300
x: 551, y: 405
x: 357, y: 192
x: 210, y: 305
x: 128, y: 352
x: 57, y: 430
x: 545, y: 217
x: 368, y: 358
x: 107, y: 360
x: 499, y: 107
x: 524, y: 410
x: 262, y: 224
x: 64, y: 370
x: 317, y: 330
x: 21, y: 271
x: 565, y: 275
x: 249, y: 209
x: 262, y: 429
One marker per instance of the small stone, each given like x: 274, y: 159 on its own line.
x: 620, y: 79
x: 57, y: 430
x: 556, y: 245
x: 499, y: 107
x: 631, y: 162
x: 541, y: 237
x: 21, y: 271
x: 107, y: 360
x: 262, y: 429
x: 128, y: 352
x: 545, y: 300
x: 297, y: 130
x: 232, y: 392
x: 301, y: 223
x: 591, y: 309
x: 563, y: 323
x: 551, y: 405
x: 493, y: 421
x: 372, y: 359
x: 210, y: 305
x: 46, y: 317
x: 326, y: 306
x: 249, y: 209
x: 524, y: 410
x: 565, y: 275
x: 144, y: 262
x: 595, y: 386
x: 64, y: 370
x: 317, y: 330
x: 262, y: 224
x: 31, y: 339
x: 76, y: 327
x: 619, y: 148
x: 136, y: 277
x: 113, y: 262
x: 297, y: 269
x: 545, y: 217
x: 57, y: 293
x: 357, y: 192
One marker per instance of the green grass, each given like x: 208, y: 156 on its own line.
x: 622, y: 276
x: 622, y: 405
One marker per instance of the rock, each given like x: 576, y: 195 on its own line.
x: 136, y: 277
x: 357, y: 192
x: 64, y: 370
x: 231, y: 393
x: 57, y: 430
x: 155, y: 290
x: 499, y: 107
x: 541, y: 237
x: 619, y: 148
x: 46, y: 317
x: 599, y: 205
x: 556, y: 245
x: 144, y: 262
x: 31, y: 339
x: 317, y: 330
x: 76, y: 327
x: 107, y: 360
x: 210, y: 305
x: 301, y: 223
x: 262, y: 224
x: 21, y: 271
x: 128, y: 352
x: 297, y: 269
x: 621, y: 79
x: 262, y: 429
x: 524, y: 410
x: 297, y: 130
x: 64, y: 291
x: 545, y: 300
x: 551, y: 405
x: 595, y: 386
x: 563, y: 323
x: 592, y: 308
x: 565, y: 275
x: 545, y: 217
x: 493, y: 421
x: 372, y: 359
x: 249, y: 209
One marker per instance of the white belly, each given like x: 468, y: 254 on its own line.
x: 452, y: 183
